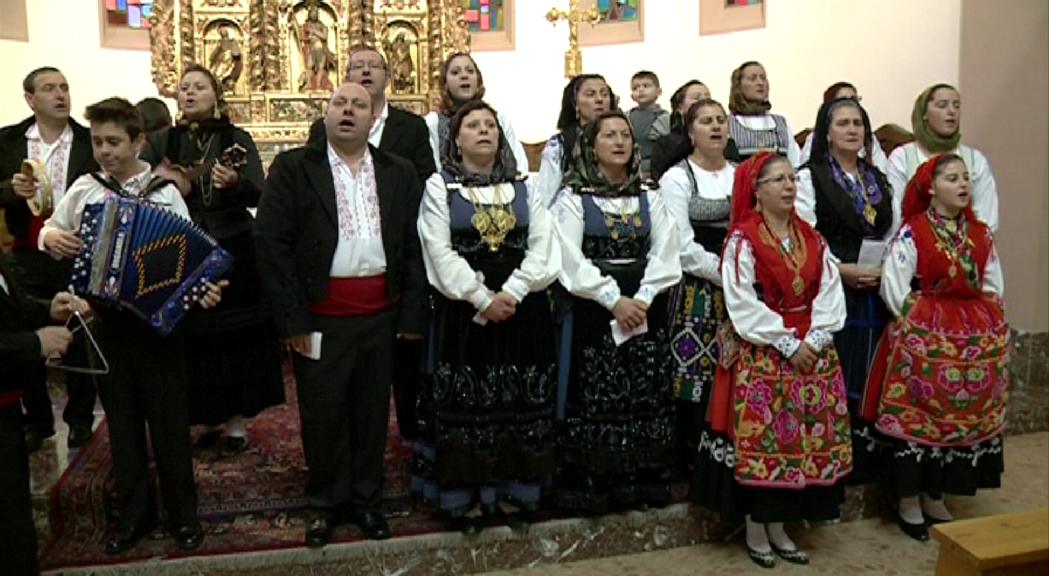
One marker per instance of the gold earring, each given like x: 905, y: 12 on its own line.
x: 216, y: 114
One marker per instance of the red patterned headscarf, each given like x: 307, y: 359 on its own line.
x: 744, y: 188
x: 918, y: 194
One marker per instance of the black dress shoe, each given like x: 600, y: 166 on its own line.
x: 794, y: 556
x: 34, y: 439
x: 189, y: 537
x: 931, y: 520
x: 208, y: 439
x: 374, y: 525
x: 919, y: 532
x: 78, y: 436
x: 126, y: 539
x: 763, y: 559
x: 236, y: 444
x: 318, y: 531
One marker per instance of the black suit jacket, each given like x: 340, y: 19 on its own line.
x: 13, y: 150
x: 20, y: 316
x: 405, y: 135
x: 296, y: 233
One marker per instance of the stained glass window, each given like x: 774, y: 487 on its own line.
x: 484, y: 15
x: 129, y: 13
x: 618, y: 10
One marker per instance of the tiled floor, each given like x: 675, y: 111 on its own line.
x: 874, y: 546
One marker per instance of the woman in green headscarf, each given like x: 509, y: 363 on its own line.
x: 936, y: 121
x: 619, y: 255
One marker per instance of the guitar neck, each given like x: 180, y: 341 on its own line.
x: 199, y: 170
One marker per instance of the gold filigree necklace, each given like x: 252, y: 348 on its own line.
x: 794, y: 258
x: 494, y: 221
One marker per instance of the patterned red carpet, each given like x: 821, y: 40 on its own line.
x: 247, y: 501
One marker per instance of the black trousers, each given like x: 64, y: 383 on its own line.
x: 146, y: 385
x: 344, y: 403
x: 407, y: 370
x: 17, y: 535
x: 42, y: 276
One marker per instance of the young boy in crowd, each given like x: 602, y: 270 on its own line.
x: 146, y: 383
x: 648, y: 121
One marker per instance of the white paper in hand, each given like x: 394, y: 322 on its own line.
x: 619, y: 335
x: 872, y: 252
x: 315, y: 346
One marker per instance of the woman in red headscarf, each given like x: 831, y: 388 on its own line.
x: 938, y: 385
x: 782, y: 396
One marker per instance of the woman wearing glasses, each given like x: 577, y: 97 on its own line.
x: 781, y: 394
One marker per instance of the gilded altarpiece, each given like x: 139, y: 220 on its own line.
x: 278, y: 59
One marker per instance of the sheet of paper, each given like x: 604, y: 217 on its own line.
x: 872, y: 252
x: 620, y: 335
x: 315, y: 346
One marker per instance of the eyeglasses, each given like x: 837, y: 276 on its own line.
x: 781, y: 179
x: 361, y: 65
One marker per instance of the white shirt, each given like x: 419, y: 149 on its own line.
x: 518, y: 150
x: 86, y: 190
x: 677, y: 191
x: 359, y: 252
x: 452, y: 275
x: 548, y: 183
x: 375, y: 135
x: 902, y: 263
x: 766, y: 122
x: 55, y: 156
x: 584, y: 279
x: 758, y: 324
x: 878, y: 158
x: 905, y: 160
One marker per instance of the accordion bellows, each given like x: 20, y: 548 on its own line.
x: 145, y: 259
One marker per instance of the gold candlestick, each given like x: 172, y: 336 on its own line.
x: 574, y: 16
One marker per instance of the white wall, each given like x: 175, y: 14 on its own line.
x: 65, y: 34
x: 891, y: 49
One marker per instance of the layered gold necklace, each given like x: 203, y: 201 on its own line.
x: 493, y: 221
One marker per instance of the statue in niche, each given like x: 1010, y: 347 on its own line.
x: 318, y: 60
x: 226, y: 61
x: 402, y: 71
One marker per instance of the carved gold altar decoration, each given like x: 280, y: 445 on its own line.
x: 278, y: 59
x: 574, y: 16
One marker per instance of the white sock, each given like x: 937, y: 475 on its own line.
x: 757, y: 539
x: 779, y: 537
x: 935, y: 508
x: 235, y: 427
x: 910, y: 510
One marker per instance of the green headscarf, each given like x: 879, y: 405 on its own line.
x: 923, y: 134
x: 584, y: 175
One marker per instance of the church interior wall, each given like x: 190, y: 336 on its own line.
x: 1005, y: 86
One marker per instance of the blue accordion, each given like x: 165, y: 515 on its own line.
x: 145, y: 259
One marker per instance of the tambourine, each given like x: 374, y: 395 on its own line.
x: 42, y: 202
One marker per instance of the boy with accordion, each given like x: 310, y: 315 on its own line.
x: 146, y: 381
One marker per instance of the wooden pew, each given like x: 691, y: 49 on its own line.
x: 1016, y: 544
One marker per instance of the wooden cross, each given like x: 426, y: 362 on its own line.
x: 574, y: 16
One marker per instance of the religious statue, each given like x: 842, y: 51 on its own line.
x: 402, y: 71
x: 318, y: 60
x: 226, y: 61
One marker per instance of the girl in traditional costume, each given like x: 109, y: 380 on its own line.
x: 782, y: 398
x: 620, y: 254
x: 938, y: 387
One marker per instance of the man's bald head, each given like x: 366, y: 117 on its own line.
x: 348, y: 120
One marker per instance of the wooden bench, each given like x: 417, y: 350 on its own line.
x: 1016, y: 544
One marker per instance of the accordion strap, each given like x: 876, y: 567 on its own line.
x: 156, y: 183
